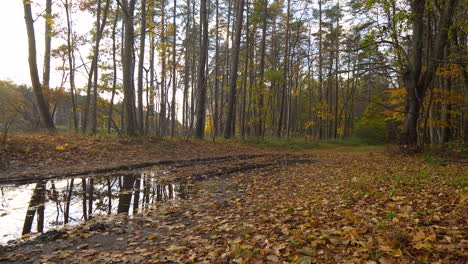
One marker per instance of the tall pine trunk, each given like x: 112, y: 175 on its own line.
x: 140, y: 67
x: 201, y: 88
x: 128, y: 67
x: 235, y: 65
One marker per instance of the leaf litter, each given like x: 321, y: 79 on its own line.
x: 350, y: 207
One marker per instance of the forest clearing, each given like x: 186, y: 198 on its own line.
x: 342, y: 204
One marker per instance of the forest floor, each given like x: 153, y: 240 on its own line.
x: 250, y: 205
x: 34, y: 157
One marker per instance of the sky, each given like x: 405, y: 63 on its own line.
x: 14, y: 44
x: 14, y: 48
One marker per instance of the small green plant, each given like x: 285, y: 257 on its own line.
x: 431, y: 160
x: 392, y: 190
x: 403, y: 179
x: 232, y: 187
x: 423, y: 173
x: 460, y: 181
x: 374, y: 255
x: 391, y: 216
x: 380, y: 224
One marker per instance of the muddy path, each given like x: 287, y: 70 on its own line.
x: 127, y: 167
x: 162, y: 225
x: 27, y: 158
x: 180, y: 188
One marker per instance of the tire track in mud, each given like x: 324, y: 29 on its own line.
x: 182, y: 163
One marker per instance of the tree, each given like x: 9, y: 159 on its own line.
x: 235, y: 64
x: 128, y: 7
x: 71, y: 62
x: 163, y: 88
x: 47, y: 46
x: 42, y: 106
x: 174, y: 67
x: 261, y: 74
x: 140, y: 66
x: 201, y: 95
x: 417, y: 77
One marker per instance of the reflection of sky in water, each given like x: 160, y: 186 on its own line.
x: 14, y: 201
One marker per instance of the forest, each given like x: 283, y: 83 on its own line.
x: 237, y: 131
x: 389, y: 71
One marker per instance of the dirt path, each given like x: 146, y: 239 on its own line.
x: 163, y: 224
x: 356, y: 206
x: 29, y: 158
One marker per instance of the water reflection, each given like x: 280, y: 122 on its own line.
x: 41, y: 206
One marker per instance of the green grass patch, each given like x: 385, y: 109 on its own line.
x: 432, y: 160
x: 460, y: 181
x: 301, y: 143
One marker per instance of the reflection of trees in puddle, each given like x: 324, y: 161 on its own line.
x: 36, y: 205
x: 71, y: 201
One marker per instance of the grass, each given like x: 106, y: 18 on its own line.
x: 301, y: 143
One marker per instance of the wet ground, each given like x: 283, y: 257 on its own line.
x: 46, y: 205
x: 31, y: 209
x: 353, y: 207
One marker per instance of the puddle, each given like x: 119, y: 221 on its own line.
x: 39, y: 207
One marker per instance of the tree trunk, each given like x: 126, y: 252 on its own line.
x: 71, y: 64
x: 162, y: 109
x: 174, y: 82
x: 47, y: 45
x: 127, y: 65
x: 216, y: 89
x: 235, y: 65
x: 201, y: 95
x: 416, y: 78
x: 42, y: 105
x: 114, y: 76
x: 262, y: 69
x: 285, y: 73
x: 320, y: 88
x: 141, y: 60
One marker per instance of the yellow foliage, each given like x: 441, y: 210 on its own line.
x: 60, y: 148
x: 308, y: 124
x: 431, y: 122
x: 324, y: 110
x: 396, y: 100
x: 448, y: 97
x: 451, y: 70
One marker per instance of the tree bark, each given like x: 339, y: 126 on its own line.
x: 42, y: 105
x: 201, y: 91
x: 71, y: 64
x: 261, y: 74
x: 114, y: 76
x: 285, y: 73
x: 174, y: 66
x: 128, y: 67
x: 418, y: 78
x: 235, y: 65
x: 141, y: 60
x: 47, y: 45
x: 162, y: 109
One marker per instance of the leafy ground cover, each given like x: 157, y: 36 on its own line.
x: 354, y: 206
x: 34, y: 157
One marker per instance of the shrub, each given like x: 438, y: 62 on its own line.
x: 372, y: 124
